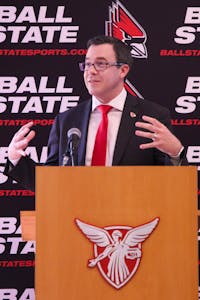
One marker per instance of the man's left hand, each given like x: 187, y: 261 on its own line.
x: 161, y: 137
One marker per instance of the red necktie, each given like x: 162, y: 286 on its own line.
x: 99, y: 152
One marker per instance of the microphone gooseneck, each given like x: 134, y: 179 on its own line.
x: 73, y: 135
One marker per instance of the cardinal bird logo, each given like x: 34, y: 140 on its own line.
x: 123, y: 26
x: 117, y: 249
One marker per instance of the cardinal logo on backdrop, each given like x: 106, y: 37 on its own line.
x: 123, y: 26
x: 117, y: 249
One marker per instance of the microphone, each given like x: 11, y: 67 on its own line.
x: 74, y: 135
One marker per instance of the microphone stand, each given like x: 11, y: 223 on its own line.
x: 73, y: 151
x: 74, y: 135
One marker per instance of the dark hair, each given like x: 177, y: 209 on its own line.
x: 122, y: 50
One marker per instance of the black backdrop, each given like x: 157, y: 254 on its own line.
x: 35, y: 67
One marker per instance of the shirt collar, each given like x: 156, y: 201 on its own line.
x: 117, y: 102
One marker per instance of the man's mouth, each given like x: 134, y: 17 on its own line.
x: 91, y: 81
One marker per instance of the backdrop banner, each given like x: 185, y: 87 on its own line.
x: 41, y: 46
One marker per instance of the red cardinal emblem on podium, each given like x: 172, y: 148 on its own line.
x: 117, y: 249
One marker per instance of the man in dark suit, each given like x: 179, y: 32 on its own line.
x: 139, y: 131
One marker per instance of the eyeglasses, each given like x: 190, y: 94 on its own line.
x: 99, y: 66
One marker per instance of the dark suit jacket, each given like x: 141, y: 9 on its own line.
x: 127, y: 151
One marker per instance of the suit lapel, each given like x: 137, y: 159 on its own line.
x: 130, y: 115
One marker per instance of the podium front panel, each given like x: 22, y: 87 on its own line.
x: 85, y: 214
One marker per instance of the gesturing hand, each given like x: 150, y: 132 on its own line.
x: 20, y: 141
x: 161, y: 137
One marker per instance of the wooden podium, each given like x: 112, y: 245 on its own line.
x: 120, y: 199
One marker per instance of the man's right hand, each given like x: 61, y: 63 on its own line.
x: 20, y: 141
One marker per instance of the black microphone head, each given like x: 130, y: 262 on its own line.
x: 73, y: 131
x: 73, y: 140
x: 73, y: 135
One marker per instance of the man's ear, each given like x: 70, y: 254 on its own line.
x: 124, y: 70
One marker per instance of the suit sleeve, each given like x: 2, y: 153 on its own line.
x: 53, y: 144
x: 23, y: 172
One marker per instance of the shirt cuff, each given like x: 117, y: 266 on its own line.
x: 14, y: 162
x: 179, y: 155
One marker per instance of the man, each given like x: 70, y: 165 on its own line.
x: 138, y: 130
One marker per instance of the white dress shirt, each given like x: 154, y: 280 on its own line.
x: 114, y: 118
